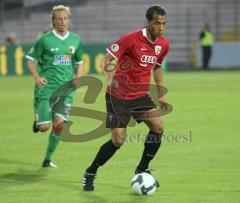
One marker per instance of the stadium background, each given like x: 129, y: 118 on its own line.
x: 199, y: 160
x: 100, y: 22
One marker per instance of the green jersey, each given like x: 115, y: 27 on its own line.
x: 56, y: 57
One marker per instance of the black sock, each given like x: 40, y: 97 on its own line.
x: 105, y: 152
x: 151, y: 146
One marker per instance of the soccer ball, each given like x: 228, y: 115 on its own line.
x: 143, y: 184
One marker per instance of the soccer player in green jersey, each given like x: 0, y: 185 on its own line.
x: 53, y: 61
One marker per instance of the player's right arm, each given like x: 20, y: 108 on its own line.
x: 33, y: 56
x: 32, y: 66
x: 109, y: 68
x: 114, y: 51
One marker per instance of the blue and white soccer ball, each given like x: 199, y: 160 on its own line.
x: 143, y: 184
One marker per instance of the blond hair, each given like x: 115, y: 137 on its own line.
x: 58, y: 8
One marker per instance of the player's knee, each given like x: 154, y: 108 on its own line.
x: 57, y: 128
x: 158, y: 128
x: 118, y: 141
x: 118, y: 137
x: 43, y: 128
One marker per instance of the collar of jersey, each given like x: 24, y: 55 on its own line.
x: 144, y: 32
x: 59, y: 36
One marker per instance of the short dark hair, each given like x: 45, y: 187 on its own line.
x: 155, y: 9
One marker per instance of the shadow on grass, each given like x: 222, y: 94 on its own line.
x: 92, y: 197
x: 23, y: 176
x: 117, y: 191
x: 16, y: 162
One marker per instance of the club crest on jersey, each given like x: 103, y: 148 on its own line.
x: 72, y: 49
x: 62, y: 60
x: 158, y: 49
x: 115, y: 47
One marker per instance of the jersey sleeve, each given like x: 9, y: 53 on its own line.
x: 120, y: 46
x: 79, y: 54
x: 163, y: 54
x: 36, y: 51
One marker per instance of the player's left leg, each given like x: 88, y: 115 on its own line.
x: 144, y: 109
x: 61, y: 115
x: 53, y: 140
x: 152, y: 143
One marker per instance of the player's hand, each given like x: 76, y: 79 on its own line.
x: 76, y: 82
x: 40, y: 82
x: 110, y: 80
x: 164, y: 104
x: 114, y: 84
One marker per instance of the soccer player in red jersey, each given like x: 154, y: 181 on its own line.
x: 139, y: 53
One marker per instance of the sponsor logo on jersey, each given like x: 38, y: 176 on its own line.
x: 158, y: 49
x: 148, y: 59
x: 72, y: 49
x: 62, y: 60
x: 115, y: 47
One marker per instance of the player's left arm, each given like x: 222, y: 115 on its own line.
x: 158, y: 78
x: 79, y: 70
x: 79, y: 65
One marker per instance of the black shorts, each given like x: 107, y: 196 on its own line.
x: 119, y: 111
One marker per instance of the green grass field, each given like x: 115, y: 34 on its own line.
x: 202, y: 167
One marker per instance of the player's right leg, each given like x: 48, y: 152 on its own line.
x: 43, y: 127
x: 43, y: 119
x: 117, y: 119
x: 106, y: 151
